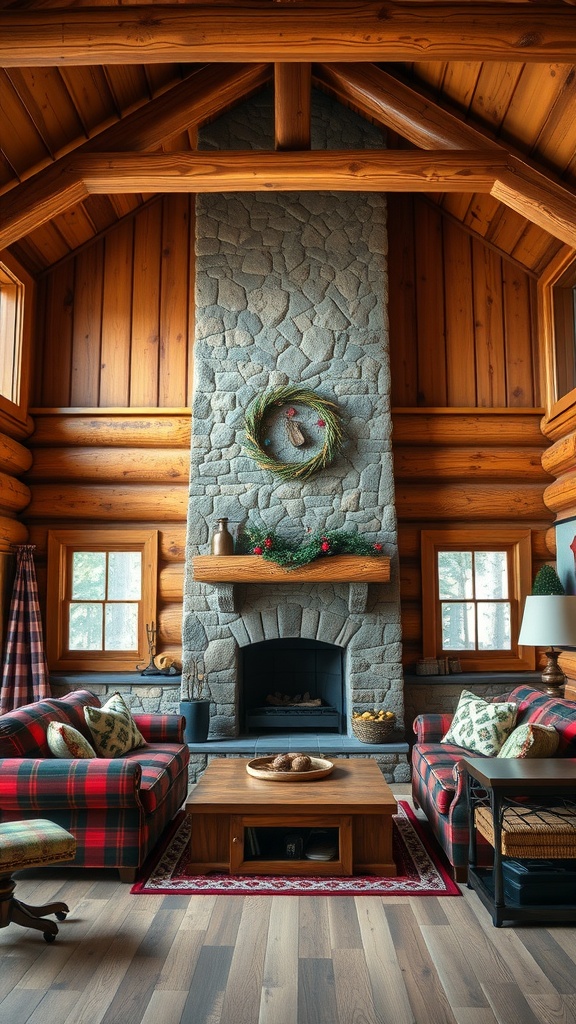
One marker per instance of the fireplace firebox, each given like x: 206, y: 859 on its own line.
x: 294, y: 685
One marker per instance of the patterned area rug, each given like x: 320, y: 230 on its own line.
x: 421, y: 871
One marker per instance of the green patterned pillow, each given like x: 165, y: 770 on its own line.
x: 481, y: 726
x: 531, y: 741
x: 114, y: 731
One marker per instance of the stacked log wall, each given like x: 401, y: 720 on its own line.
x: 116, y: 468
x: 114, y: 379
x: 464, y: 469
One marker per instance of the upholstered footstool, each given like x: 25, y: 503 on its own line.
x: 31, y: 844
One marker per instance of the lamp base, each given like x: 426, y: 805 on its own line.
x: 553, y: 677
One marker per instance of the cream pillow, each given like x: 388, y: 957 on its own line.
x: 480, y: 725
x: 65, y: 741
x: 531, y: 741
x: 113, y: 729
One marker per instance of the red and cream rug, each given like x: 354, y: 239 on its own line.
x: 421, y: 871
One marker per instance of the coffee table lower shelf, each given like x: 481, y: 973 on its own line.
x: 221, y: 843
x: 240, y: 824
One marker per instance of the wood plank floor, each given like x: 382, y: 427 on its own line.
x: 122, y: 959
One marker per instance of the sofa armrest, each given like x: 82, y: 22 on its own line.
x: 40, y: 784
x: 431, y: 728
x: 161, y: 728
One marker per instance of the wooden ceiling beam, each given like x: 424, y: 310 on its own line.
x: 240, y: 171
x: 308, y: 171
x: 524, y: 188
x: 292, y: 106
x: 381, y: 96
x: 191, y: 102
x: 200, y: 97
x: 258, y: 31
x: 538, y: 199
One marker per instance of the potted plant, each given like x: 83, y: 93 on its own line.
x: 195, y: 703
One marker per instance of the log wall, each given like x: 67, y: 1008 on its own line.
x: 121, y: 468
x: 114, y: 377
x: 459, y: 468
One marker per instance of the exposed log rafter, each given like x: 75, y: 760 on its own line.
x: 240, y: 171
x: 523, y: 187
x: 260, y: 171
x: 55, y: 189
x: 371, y: 31
x: 292, y: 106
x: 469, y: 161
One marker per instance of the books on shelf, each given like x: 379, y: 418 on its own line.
x: 252, y: 841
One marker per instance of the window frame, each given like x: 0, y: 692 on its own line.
x: 518, y: 545
x: 61, y: 546
x: 14, y: 411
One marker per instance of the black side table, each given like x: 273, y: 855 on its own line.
x: 496, y: 782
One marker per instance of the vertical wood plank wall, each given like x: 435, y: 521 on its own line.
x: 113, y: 383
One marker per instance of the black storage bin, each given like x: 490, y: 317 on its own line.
x: 539, y: 882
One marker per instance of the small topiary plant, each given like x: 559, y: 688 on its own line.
x: 547, y: 582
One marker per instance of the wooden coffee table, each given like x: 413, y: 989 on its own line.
x: 239, y: 823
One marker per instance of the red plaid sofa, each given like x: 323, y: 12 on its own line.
x: 438, y: 782
x: 116, y: 808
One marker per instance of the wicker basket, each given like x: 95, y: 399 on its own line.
x: 373, y: 732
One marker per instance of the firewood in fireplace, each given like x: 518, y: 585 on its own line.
x: 298, y: 700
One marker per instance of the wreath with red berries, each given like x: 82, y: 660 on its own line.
x: 289, y: 555
x: 258, y: 420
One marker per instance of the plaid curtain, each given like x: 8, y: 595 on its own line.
x: 25, y: 670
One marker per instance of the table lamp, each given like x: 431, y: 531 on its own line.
x: 549, y: 621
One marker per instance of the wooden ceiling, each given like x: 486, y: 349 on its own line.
x: 478, y: 101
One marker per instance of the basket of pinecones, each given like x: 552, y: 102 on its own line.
x: 373, y: 726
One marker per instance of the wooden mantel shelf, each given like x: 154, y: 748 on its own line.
x: 223, y: 571
x: 255, y: 569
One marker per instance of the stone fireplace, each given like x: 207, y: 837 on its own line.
x: 291, y: 288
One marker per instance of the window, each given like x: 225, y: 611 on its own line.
x: 564, y: 304
x: 11, y: 316
x: 101, y: 596
x: 473, y: 583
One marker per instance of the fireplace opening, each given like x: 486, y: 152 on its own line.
x: 292, y: 684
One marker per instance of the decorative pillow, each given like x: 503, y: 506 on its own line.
x: 65, y: 741
x: 480, y: 725
x: 113, y: 729
x: 531, y: 741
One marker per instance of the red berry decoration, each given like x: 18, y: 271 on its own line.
x: 291, y: 412
x: 377, y: 547
x: 320, y: 423
x: 325, y: 545
x: 268, y: 542
x: 258, y: 550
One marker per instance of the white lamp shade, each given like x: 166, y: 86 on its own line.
x: 549, y: 621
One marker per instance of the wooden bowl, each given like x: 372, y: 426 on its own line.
x: 261, y: 768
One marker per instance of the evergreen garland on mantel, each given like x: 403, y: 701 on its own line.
x: 290, y: 555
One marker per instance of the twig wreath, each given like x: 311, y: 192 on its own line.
x: 255, y: 429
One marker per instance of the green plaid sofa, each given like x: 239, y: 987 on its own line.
x: 439, y: 784
x: 116, y: 808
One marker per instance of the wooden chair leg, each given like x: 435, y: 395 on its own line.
x: 13, y: 910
